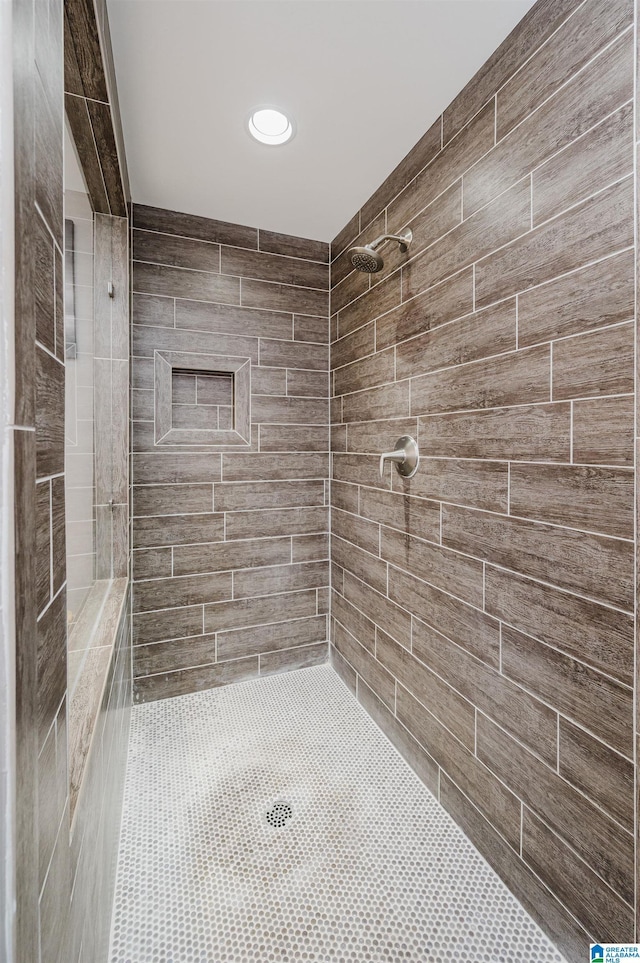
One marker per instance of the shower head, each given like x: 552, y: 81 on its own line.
x: 367, y: 259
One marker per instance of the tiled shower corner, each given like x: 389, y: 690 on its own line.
x: 272, y: 820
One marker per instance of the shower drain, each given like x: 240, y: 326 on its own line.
x: 279, y: 814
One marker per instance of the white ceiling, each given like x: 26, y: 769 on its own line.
x: 363, y: 79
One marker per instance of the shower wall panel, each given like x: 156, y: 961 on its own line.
x: 64, y: 871
x: 483, y: 610
x: 230, y: 542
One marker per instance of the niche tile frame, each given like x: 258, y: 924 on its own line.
x: 165, y: 363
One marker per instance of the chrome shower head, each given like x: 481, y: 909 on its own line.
x: 367, y: 259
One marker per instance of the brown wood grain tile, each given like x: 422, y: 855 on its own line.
x: 275, y: 579
x: 587, y: 99
x: 311, y: 329
x: 412, y: 752
x: 602, y: 775
x: 221, y: 556
x: 310, y: 548
x: 359, y: 531
x: 241, y: 496
x: 591, y: 565
x: 574, y: 44
x: 525, y: 717
x: 597, y: 499
x: 502, y: 220
x: 357, y: 624
x: 578, y: 822
x: 522, y: 377
x: 300, y: 657
x: 599, y: 636
x: 270, y: 267
x: 603, y: 431
x: 268, y: 467
x: 479, y: 335
x: 80, y: 123
x: 377, y: 369
x: 105, y: 141
x: 582, y: 891
x: 571, y: 687
x: 345, y: 235
x: 492, y: 798
x: 481, y: 484
x: 598, y: 158
x: 43, y: 545
x: 164, y: 624
x: 418, y: 157
x: 373, y: 673
x: 168, y: 593
x: 176, y: 251
x: 590, y: 297
x: 414, y: 516
x: 539, y: 23
x: 166, y: 685
x: 394, y: 620
x: 362, y: 564
x: 293, y: 354
x: 437, y: 219
x: 354, y: 346
x: 44, y: 284
x: 387, y: 401
x: 523, y: 433
x: 449, y: 571
x: 593, y: 229
x: 473, y: 142
x: 242, y: 613
x: 372, y: 304
x: 151, y: 563
x: 181, y: 283
x: 188, y: 225
x: 468, y: 627
x: 165, y: 468
x: 240, y: 643
x: 229, y: 319
x: 173, y: 655
x: 49, y: 414
x: 453, y: 711
x: 284, y: 297
x: 268, y: 409
x: 172, y: 499
x: 444, y: 302
x: 311, y: 384
x: 300, y: 247
x: 275, y: 522
x: 554, y: 919
x: 599, y: 363
x: 294, y: 438
x: 379, y: 435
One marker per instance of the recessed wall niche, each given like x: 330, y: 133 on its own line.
x: 201, y: 399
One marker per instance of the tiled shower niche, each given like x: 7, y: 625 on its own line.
x: 201, y: 399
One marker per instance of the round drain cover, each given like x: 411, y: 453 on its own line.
x: 279, y: 814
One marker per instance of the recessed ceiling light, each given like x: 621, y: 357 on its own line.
x: 270, y: 126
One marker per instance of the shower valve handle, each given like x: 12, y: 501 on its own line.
x: 405, y: 457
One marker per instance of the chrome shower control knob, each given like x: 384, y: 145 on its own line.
x: 406, y: 457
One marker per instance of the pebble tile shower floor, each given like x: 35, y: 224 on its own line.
x: 273, y: 821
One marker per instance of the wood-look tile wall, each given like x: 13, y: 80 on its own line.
x: 64, y: 874
x: 230, y: 544
x: 484, y: 610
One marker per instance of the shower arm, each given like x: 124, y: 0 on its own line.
x: 403, y: 240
